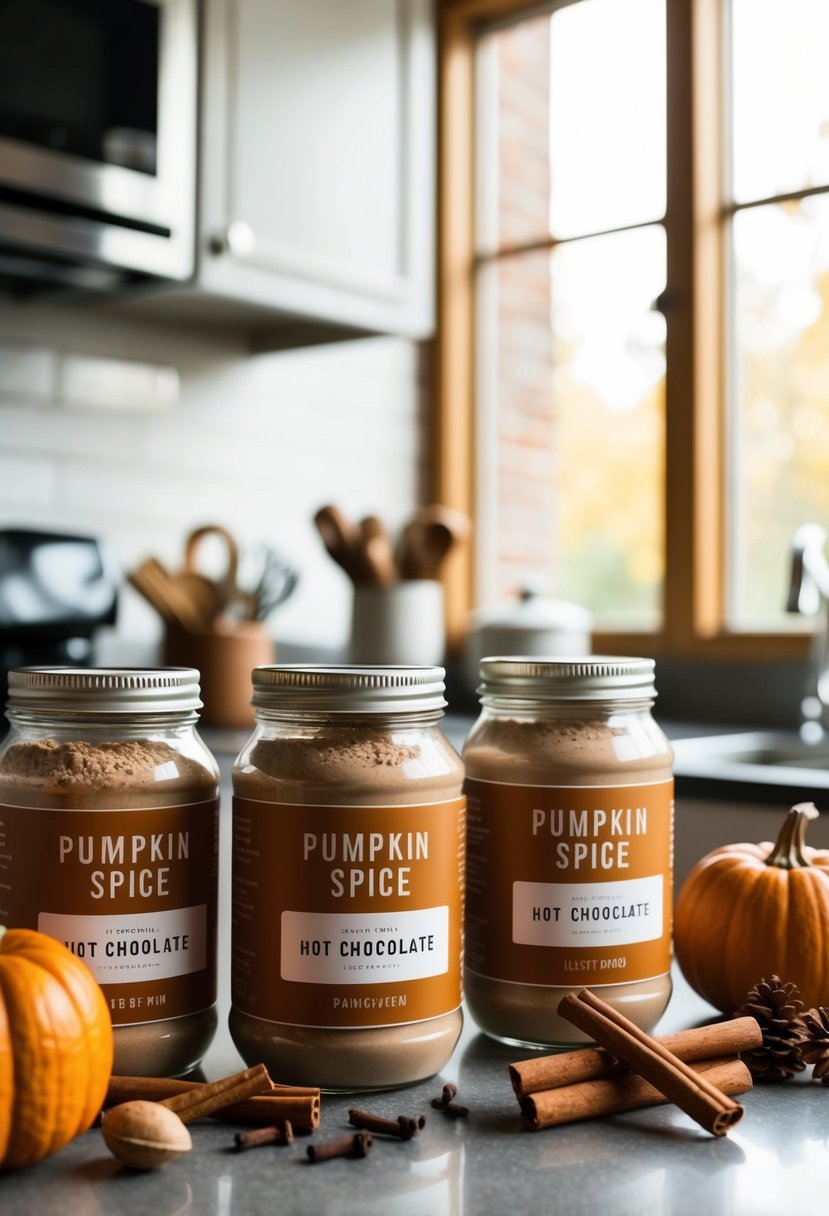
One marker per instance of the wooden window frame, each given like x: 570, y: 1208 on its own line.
x: 695, y: 388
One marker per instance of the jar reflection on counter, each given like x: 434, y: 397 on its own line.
x: 570, y: 845
x: 109, y: 801
x: 348, y: 830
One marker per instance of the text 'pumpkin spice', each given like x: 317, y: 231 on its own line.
x: 348, y: 839
x: 109, y: 804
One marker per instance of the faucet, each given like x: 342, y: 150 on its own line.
x: 809, y: 593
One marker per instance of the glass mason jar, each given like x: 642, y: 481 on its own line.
x: 570, y: 845
x: 348, y: 830
x: 109, y: 805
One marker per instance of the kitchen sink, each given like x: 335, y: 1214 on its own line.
x: 779, y: 758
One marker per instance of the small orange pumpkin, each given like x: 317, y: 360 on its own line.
x: 55, y: 1047
x: 750, y: 911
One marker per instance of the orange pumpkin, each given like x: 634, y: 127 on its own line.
x: 55, y: 1047
x: 750, y: 911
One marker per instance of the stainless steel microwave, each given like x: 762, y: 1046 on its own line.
x: 98, y: 116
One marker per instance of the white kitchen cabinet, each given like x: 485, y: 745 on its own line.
x: 317, y: 167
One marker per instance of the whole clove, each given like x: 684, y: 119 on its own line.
x: 447, y: 1104
x: 356, y: 1145
x: 258, y: 1136
x: 404, y: 1127
x: 410, y: 1125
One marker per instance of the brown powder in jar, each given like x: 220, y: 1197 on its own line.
x: 561, y: 751
x: 336, y: 765
x: 320, y: 757
x: 578, y: 751
x: 129, y: 774
x: 120, y: 774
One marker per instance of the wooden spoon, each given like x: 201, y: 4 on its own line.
x: 377, y: 552
x: 152, y: 580
x: 427, y: 538
x: 203, y: 593
x: 342, y: 540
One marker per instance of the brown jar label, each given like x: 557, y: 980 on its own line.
x: 133, y: 893
x: 347, y: 916
x: 569, y: 885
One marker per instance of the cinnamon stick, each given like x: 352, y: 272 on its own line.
x: 690, y: 1091
x: 156, y: 1089
x: 214, y: 1096
x: 591, y: 1063
x: 300, y: 1105
x: 613, y: 1095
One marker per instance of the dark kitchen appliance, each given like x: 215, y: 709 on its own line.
x: 97, y: 141
x: 55, y: 591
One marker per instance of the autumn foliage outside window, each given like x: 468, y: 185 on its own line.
x: 647, y: 304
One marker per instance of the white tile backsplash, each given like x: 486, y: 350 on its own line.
x: 27, y: 483
x: 117, y: 384
x: 63, y: 433
x: 27, y: 371
x: 257, y: 443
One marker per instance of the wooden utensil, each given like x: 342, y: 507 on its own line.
x: 342, y: 540
x: 158, y: 587
x: 427, y: 538
x: 202, y: 592
x: 377, y: 552
x: 212, y: 595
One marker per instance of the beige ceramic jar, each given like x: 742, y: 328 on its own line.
x: 570, y: 845
x: 348, y: 828
x: 109, y: 822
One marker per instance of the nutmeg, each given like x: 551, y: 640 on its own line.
x: 144, y: 1135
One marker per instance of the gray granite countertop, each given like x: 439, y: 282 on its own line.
x: 648, y: 1163
x: 775, y: 1161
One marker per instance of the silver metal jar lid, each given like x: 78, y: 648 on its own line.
x: 348, y: 690
x: 594, y: 678
x: 93, y: 690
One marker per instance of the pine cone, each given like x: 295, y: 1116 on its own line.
x: 776, y: 1006
x: 815, y: 1048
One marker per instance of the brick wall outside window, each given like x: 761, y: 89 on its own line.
x: 526, y: 405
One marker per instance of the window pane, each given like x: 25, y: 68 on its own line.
x: 571, y: 122
x: 781, y: 96
x: 780, y: 450
x: 609, y: 386
x: 571, y: 375
x: 607, y: 115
